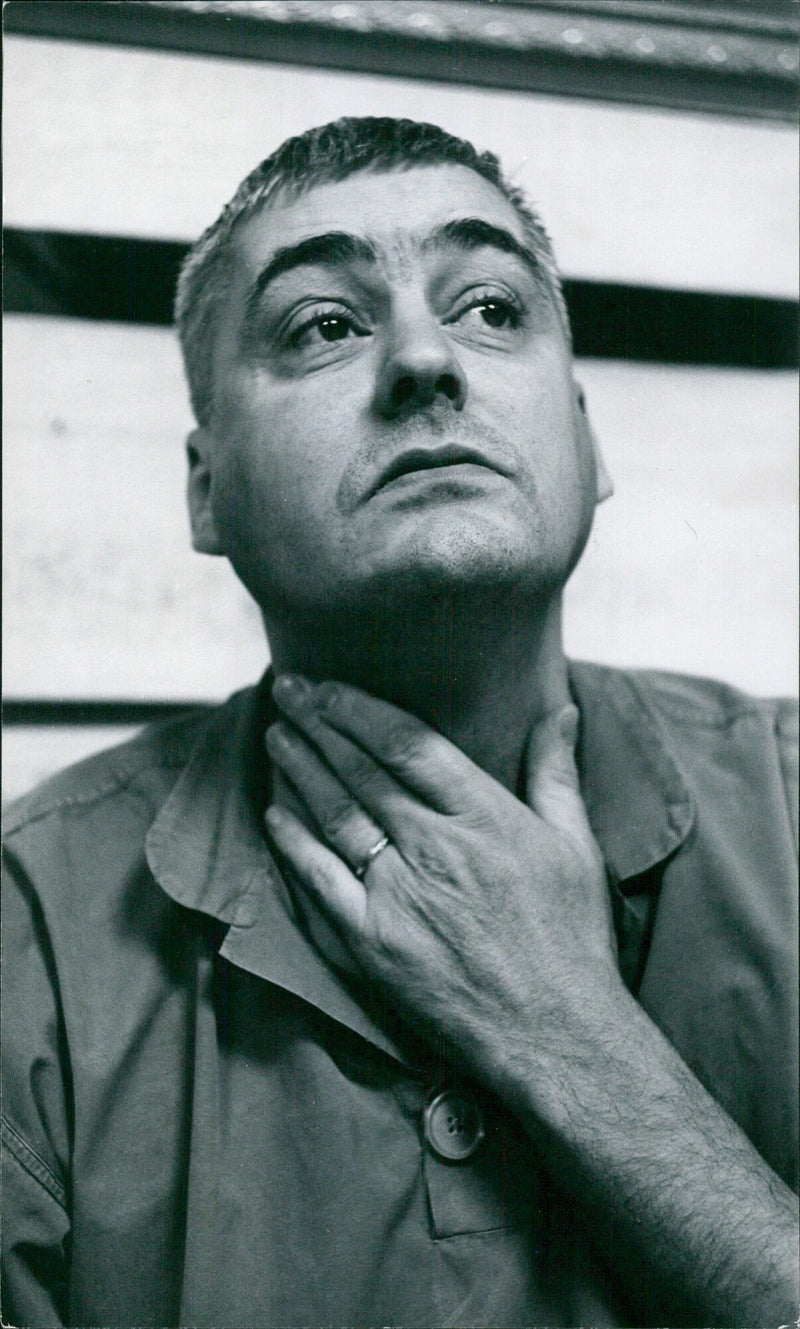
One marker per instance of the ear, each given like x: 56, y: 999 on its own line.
x: 205, y: 537
x: 605, y: 485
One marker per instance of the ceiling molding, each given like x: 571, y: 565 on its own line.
x: 723, y: 58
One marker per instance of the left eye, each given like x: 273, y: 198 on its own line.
x: 496, y: 314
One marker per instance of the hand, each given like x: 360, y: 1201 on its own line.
x: 486, y: 919
x: 489, y: 921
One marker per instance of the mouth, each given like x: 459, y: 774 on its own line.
x: 417, y: 460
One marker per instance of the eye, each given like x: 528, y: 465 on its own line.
x: 489, y: 312
x: 333, y: 328
x: 325, y: 326
x: 497, y: 314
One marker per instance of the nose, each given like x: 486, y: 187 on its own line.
x: 419, y: 367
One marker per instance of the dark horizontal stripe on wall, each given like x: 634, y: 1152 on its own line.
x: 90, y: 276
x: 133, y: 281
x: 79, y: 713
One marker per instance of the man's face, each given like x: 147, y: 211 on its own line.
x: 394, y: 406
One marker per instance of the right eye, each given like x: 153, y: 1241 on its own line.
x: 335, y: 328
x: 325, y: 326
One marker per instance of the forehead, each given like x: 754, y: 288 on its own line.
x: 383, y: 206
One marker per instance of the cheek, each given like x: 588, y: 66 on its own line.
x: 546, y: 431
x: 578, y: 495
x: 559, y: 459
x: 275, y: 485
x: 231, y: 500
x: 283, y: 430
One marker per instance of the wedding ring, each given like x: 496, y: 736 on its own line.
x: 373, y: 854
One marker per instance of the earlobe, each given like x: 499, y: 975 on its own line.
x: 605, y: 485
x: 205, y: 537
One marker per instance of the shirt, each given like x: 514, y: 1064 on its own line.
x: 205, y: 1124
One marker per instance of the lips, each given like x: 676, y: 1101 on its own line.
x: 428, y: 459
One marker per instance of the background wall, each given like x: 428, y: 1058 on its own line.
x: 691, y: 565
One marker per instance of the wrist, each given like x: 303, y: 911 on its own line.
x: 556, y: 1066
x: 676, y: 1188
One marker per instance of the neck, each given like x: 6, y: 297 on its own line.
x: 480, y: 673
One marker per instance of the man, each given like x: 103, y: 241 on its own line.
x: 458, y: 1005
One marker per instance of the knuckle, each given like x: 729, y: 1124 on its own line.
x: 433, y: 867
x: 317, y: 876
x: 407, y: 747
x: 337, y: 819
x: 565, y: 777
x: 394, y: 937
x: 385, y: 940
x: 355, y: 773
x: 428, y: 754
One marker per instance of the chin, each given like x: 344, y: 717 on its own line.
x: 462, y: 560
x: 490, y: 558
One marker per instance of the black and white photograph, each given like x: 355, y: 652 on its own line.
x: 400, y: 664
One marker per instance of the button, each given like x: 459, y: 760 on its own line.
x: 454, y: 1125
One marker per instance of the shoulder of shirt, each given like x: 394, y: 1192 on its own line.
x: 691, y: 717
x: 697, y: 702
x: 151, y: 762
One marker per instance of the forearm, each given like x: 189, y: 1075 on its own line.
x: 676, y: 1190
x: 469, y: 886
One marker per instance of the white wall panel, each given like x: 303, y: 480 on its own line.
x: 31, y: 754
x: 103, y: 596
x: 692, y: 565
x: 147, y: 143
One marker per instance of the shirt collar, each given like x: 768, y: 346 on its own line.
x: 638, y: 804
x: 208, y: 851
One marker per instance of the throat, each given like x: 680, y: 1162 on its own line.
x: 481, y: 674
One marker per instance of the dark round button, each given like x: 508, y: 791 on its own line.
x: 454, y: 1125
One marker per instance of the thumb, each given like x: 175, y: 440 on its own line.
x: 552, y: 787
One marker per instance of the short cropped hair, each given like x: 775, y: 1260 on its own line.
x: 321, y: 156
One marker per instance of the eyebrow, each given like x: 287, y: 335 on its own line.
x: 330, y: 249
x: 475, y: 233
x: 335, y: 248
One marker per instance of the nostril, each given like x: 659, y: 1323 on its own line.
x: 404, y: 390
x: 412, y: 390
x: 448, y: 385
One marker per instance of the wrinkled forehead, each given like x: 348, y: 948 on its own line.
x: 396, y: 210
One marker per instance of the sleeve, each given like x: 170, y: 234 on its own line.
x: 35, y: 1127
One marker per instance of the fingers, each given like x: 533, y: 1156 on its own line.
x: 344, y: 823
x: 552, y: 786
x: 319, y: 748
x: 331, y: 883
x: 419, y: 758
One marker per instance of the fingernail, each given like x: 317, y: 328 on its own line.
x: 290, y: 688
x: 568, y: 725
x: 273, y: 818
x: 277, y: 737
